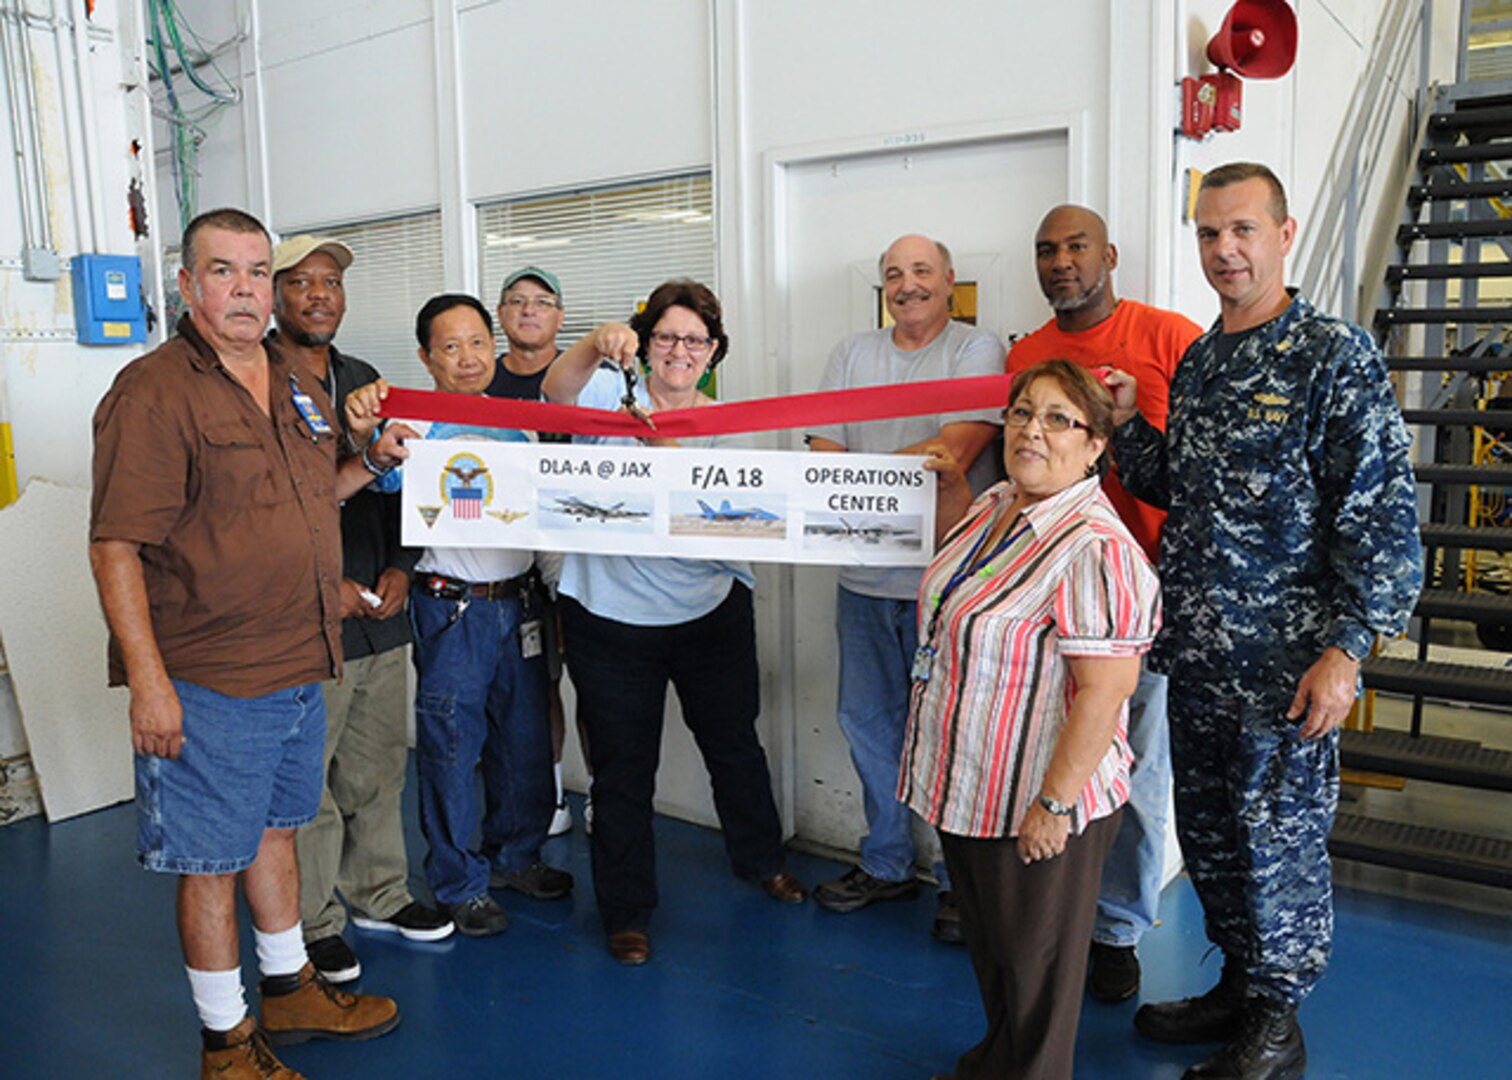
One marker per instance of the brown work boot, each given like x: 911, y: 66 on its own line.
x: 241, y: 1053
x: 306, y: 1006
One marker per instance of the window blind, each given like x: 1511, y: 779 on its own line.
x: 396, y: 267
x: 609, y: 247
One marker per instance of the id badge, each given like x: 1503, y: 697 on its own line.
x: 531, y: 639
x: 311, y: 415
x: 922, y: 662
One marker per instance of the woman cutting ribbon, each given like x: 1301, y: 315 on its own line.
x: 634, y: 623
x: 1032, y: 619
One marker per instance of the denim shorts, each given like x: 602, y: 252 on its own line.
x: 248, y: 764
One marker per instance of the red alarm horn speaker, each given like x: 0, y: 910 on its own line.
x: 1258, y: 39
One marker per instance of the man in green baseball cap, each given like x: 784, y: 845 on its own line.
x: 530, y: 314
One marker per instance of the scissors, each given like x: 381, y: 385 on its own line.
x: 628, y: 401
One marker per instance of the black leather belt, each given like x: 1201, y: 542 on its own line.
x: 447, y: 588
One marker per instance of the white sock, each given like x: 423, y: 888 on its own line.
x: 282, y: 953
x: 218, y: 997
x: 557, y: 772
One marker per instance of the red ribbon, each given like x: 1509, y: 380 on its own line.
x: 761, y: 414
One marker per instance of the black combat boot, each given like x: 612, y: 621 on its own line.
x: 1213, y: 1017
x: 1269, y: 1047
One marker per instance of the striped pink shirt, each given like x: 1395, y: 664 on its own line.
x: 983, y: 727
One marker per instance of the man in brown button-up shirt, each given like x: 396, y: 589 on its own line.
x: 215, y: 544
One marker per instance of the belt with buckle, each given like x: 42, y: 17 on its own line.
x: 448, y: 588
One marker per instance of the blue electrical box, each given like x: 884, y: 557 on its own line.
x: 108, y: 305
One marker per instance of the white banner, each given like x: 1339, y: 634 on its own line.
x: 763, y: 505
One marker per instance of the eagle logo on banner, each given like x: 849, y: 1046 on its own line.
x: 466, y: 486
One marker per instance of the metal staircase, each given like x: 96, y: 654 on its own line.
x: 1446, y: 327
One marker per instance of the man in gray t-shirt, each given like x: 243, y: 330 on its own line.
x: 876, y: 607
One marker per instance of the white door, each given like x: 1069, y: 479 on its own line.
x: 983, y: 199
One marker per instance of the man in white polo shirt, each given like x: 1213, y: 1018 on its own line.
x: 481, y: 669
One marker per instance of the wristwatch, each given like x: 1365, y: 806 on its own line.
x: 1059, y: 809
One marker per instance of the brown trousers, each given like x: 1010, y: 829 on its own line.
x: 1029, y: 929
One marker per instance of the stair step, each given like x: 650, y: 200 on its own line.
x: 1453, y: 230
x: 1460, y: 315
x: 1499, y: 475
x: 1461, y: 856
x: 1485, y: 363
x: 1446, y: 271
x: 1466, y: 537
x: 1473, y: 95
x: 1472, y: 119
x: 1440, y: 190
x: 1451, y: 682
x: 1492, y: 418
x: 1451, y: 604
x: 1463, y: 155
x: 1442, y: 761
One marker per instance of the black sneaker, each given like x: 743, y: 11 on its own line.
x: 334, y: 959
x: 479, y: 916
x: 947, y: 921
x: 538, y: 881
x: 414, y: 920
x: 858, y: 888
x: 1113, y: 974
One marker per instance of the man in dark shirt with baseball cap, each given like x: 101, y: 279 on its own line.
x: 356, y: 842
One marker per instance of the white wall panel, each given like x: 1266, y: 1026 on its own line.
x: 852, y: 68
x: 298, y: 29
x: 351, y: 131
x: 51, y: 383
x: 580, y: 91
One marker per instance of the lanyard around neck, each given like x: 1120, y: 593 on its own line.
x: 971, y: 564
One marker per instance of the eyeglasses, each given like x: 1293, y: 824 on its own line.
x: 1053, y: 422
x: 692, y: 342
x: 524, y: 303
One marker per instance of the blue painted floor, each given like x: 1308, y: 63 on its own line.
x: 740, y: 987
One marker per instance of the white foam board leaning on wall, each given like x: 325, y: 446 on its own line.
x: 55, y: 637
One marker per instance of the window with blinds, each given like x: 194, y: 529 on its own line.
x: 609, y: 247
x: 396, y: 267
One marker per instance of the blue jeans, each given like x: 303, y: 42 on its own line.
x: 1131, y: 879
x: 248, y: 764
x: 477, y: 699
x: 878, y: 639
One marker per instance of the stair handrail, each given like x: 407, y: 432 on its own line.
x: 1327, y: 256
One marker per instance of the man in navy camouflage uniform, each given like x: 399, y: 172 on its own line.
x: 1291, y: 543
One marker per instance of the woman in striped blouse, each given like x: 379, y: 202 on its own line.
x: 1032, y: 620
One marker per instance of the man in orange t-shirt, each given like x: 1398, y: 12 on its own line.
x: 1095, y: 329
